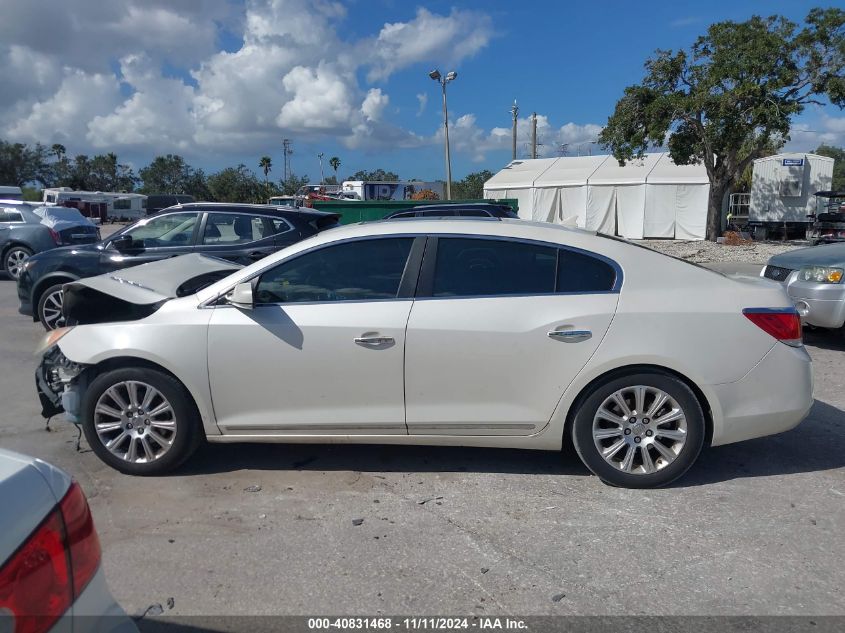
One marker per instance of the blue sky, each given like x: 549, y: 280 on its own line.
x: 223, y: 81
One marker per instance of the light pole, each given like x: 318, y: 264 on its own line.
x: 451, y: 76
x: 320, y: 156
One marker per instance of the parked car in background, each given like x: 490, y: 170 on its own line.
x: 813, y: 278
x: 500, y: 333
x: 471, y: 210
x: 240, y: 233
x: 51, y: 578
x: 8, y: 192
x: 28, y: 228
x: 158, y: 201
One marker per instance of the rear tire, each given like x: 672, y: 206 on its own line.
x: 140, y: 421
x: 639, y: 430
x: 13, y: 260
x: 50, y: 308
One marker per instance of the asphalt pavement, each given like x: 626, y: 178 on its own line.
x: 753, y: 529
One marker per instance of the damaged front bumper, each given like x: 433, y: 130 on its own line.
x: 57, y: 384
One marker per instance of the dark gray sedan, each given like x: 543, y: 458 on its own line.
x: 814, y: 280
x: 26, y: 229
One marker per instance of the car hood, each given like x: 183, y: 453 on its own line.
x: 134, y: 293
x: 827, y: 255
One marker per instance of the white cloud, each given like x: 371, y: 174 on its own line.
x: 429, y: 37
x: 78, y: 99
x: 827, y: 130
x: 292, y: 72
x: 466, y: 137
x: 422, y: 97
x: 322, y: 100
x: 160, y: 112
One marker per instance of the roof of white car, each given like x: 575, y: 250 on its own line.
x: 453, y: 225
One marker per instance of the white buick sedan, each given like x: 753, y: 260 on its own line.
x: 499, y: 333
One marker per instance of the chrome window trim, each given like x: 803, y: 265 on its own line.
x: 617, y: 284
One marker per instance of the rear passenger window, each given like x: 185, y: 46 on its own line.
x: 582, y: 273
x: 279, y: 225
x: 472, y: 267
x: 474, y: 213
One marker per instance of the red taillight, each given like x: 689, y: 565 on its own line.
x: 35, y: 583
x: 783, y: 324
x: 82, y: 539
x: 56, y: 237
x: 47, y: 573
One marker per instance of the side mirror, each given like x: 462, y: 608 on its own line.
x: 241, y: 296
x: 123, y: 243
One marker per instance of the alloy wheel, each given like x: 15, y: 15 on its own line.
x: 52, y: 310
x: 135, y: 422
x: 639, y: 429
x: 15, y: 259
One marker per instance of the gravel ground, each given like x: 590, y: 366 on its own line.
x: 704, y: 252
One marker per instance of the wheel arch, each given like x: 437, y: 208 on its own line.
x: 132, y: 362
x: 15, y: 242
x: 48, y: 280
x: 646, y: 368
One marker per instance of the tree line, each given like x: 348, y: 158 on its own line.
x: 24, y: 165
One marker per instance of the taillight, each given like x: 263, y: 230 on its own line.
x: 56, y: 237
x: 49, y: 571
x: 782, y: 323
x: 35, y: 583
x: 82, y: 540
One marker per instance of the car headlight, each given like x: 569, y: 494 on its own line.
x: 51, y: 338
x: 821, y: 274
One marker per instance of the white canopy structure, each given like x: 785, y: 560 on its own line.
x: 560, y: 192
x: 650, y: 197
x: 516, y: 180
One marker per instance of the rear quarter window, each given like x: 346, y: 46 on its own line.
x: 579, y: 272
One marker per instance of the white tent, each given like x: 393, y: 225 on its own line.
x: 616, y: 197
x: 676, y: 201
x: 516, y: 180
x: 647, y: 197
x: 560, y: 192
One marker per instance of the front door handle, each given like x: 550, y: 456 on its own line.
x: 374, y: 340
x: 571, y: 336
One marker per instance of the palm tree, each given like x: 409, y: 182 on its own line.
x: 334, y: 161
x: 59, y: 150
x: 266, y: 163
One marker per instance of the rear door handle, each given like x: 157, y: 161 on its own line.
x: 571, y: 336
x: 374, y: 340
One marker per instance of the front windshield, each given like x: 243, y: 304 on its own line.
x: 173, y: 229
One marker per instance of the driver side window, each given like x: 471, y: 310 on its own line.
x: 359, y: 270
x: 173, y: 229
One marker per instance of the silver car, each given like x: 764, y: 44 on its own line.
x: 50, y: 573
x: 813, y: 278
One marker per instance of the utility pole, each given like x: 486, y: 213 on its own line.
x: 287, y: 151
x: 514, y: 114
x: 320, y: 156
x: 533, y: 135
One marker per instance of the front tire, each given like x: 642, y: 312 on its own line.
x: 639, y: 430
x: 140, y: 421
x: 14, y: 259
x: 50, y: 308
